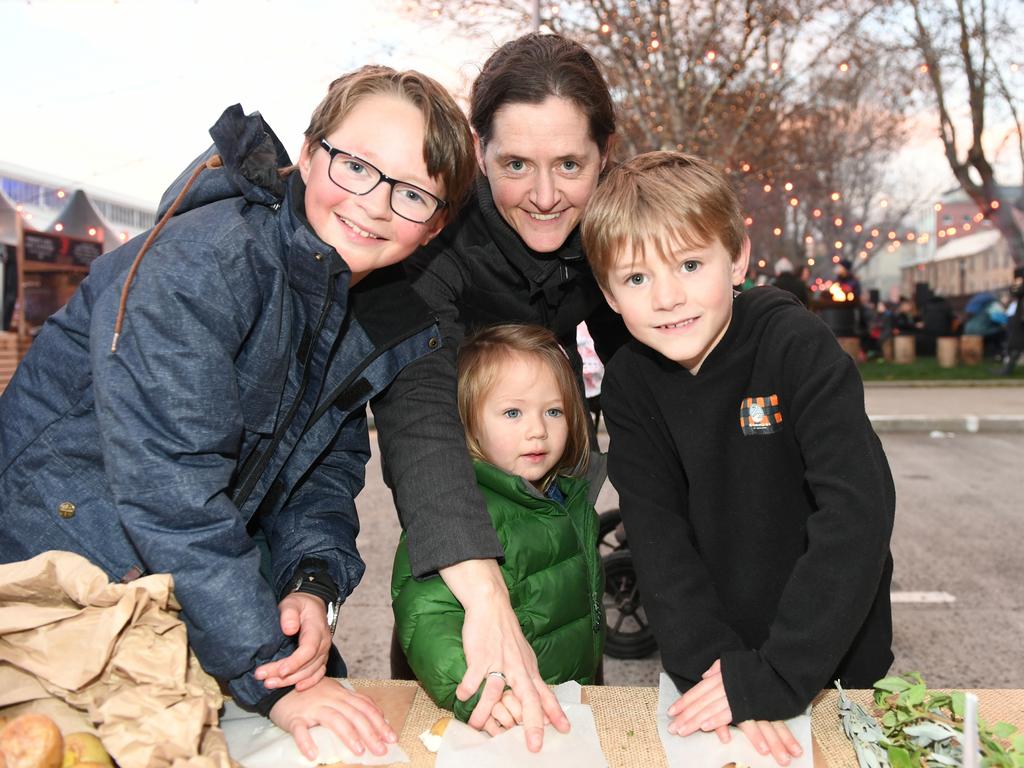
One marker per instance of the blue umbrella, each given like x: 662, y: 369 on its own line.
x: 978, y: 302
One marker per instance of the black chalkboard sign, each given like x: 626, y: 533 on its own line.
x: 50, y: 248
x: 84, y: 252
x: 40, y: 246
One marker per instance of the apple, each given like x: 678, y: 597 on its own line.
x: 32, y: 741
x: 83, y: 749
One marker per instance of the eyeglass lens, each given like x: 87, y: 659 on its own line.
x: 358, y: 177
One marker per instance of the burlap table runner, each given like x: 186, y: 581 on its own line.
x: 629, y: 736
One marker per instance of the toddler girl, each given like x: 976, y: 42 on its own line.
x: 526, y: 430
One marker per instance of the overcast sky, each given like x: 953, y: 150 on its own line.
x: 120, y: 94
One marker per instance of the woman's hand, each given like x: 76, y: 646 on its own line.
x: 306, y: 615
x: 493, y: 642
x: 353, y: 717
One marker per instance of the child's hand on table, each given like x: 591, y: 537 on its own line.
x: 705, y: 707
x: 507, y: 713
x: 307, y: 615
x: 354, y: 717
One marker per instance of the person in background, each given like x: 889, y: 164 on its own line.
x: 544, y: 125
x: 937, y: 320
x: 1015, y: 324
x: 185, y: 403
x: 986, y: 317
x: 761, y: 549
x: 526, y: 427
x: 788, y: 281
x: 846, y: 278
x: 906, y: 320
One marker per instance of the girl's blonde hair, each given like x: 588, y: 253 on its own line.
x: 480, y: 359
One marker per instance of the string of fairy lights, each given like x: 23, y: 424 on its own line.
x: 634, y: 30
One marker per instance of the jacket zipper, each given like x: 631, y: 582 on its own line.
x: 248, y: 481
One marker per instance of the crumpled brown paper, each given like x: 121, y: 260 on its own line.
x: 116, y: 652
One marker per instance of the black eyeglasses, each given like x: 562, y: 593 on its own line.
x: 355, y: 175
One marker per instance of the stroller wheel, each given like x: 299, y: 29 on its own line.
x: 629, y: 636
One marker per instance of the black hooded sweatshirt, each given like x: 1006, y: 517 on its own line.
x: 759, y: 507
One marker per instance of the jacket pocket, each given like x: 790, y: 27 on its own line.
x: 66, y: 512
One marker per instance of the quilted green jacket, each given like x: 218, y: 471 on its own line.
x: 554, y: 580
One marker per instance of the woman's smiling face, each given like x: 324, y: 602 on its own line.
x: 542, y: 167
x: 388, y: 132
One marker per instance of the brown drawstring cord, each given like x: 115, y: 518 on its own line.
x: 213, y: 162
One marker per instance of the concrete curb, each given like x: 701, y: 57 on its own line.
x: 967, y: 424
x: 945, y: 384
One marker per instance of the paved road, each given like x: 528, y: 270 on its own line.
x: 959, y: 517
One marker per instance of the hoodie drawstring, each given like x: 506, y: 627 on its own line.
x: 213, y: 162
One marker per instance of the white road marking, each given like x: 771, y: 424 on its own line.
x: 922, y: 597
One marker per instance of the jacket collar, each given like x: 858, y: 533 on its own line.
x: 302, y: 244
x: 537, y: 267
x: 518, y: 489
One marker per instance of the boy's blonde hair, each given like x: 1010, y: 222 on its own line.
x: 447, y: 140
x: 669, y: 199
x: 480, y: 359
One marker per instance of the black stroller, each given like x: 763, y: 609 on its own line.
x: 628, y: 635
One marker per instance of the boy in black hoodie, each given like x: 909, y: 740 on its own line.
x: 757, y: 498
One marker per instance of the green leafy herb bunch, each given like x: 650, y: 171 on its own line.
x: 923, y: 729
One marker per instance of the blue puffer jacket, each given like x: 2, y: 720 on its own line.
x: 235, y: 401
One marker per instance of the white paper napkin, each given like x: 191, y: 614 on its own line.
x: 463, y: 747
x: 255, y: 742
x: 706, y: 750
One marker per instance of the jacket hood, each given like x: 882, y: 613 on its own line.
x: 251, y: 154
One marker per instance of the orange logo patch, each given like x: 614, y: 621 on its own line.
x: 760, y: 415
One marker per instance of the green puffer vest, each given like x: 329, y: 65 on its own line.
x: 554, y: 579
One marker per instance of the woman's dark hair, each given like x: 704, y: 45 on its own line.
x: 531, y: 68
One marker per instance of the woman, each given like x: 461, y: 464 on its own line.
x: 216, y: 388
x: 544, y: 124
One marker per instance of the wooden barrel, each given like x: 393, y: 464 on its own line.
x: 904, y: 347
x: 946, y: 351
x: 972, y: 349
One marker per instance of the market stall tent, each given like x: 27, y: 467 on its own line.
x: 79, y: 216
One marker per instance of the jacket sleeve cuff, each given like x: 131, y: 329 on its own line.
x: 756, y: 691
x: 264, y: 705
x: 250, y: 693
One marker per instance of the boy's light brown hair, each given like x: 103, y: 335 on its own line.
x: 480, y: 359
x: 447, y: 140
x: 668, y: 199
